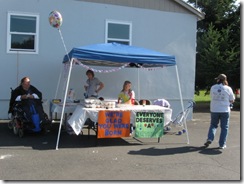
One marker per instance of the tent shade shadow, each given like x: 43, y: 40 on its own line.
x: 152, y: 151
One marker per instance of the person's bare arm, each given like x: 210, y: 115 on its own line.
x: 101, y: 86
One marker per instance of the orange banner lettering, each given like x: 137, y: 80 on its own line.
x: 113, y: 124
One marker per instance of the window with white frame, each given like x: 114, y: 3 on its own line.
x: 22, y: 33
x: 117, y: 31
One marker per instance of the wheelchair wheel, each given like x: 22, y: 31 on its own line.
x: 16, y: 126
x: 15, y: 130
x: 44, y: 130
x: 10, y: 124
x: 21, y: 132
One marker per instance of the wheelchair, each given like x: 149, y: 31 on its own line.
x: 21, y: 123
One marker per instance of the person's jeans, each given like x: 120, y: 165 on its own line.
x: 223, y: 118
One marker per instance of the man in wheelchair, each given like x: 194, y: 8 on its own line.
x: 22, y: 101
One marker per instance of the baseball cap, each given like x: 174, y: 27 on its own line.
x: 221, y: 77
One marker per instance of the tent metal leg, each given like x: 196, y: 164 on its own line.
x: 65, y: 96
x: 182, y: 104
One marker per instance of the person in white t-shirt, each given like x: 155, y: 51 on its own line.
x: 222, y: 97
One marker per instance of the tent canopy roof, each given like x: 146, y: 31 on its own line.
x: 116, y: 55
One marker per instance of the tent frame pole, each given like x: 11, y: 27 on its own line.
x: 138, y: 84
x: 182, y: 104
x: 64, y: 102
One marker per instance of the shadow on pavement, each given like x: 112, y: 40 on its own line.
x: 40, y: 141
x: 211, y: 151
x: 173, y: 151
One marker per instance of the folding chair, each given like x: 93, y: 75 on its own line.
x: 148, y: 102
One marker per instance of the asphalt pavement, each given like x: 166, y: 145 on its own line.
x: 34, y: 157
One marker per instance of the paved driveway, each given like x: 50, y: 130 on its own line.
x: 34, y: 157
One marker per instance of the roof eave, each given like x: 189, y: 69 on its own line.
x: 200, y: 15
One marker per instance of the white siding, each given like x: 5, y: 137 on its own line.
x: 164, y: 31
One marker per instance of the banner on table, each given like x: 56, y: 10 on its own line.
x: 149, y: 124
x: 113, y: 124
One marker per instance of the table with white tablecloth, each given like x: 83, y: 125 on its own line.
x: 80, y: 115
x: 56, y: 108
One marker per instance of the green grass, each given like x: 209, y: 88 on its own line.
x: 202, y: 98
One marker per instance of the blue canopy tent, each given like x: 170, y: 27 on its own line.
x: 116, y: 55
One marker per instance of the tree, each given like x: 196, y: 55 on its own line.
x: 218, y: 42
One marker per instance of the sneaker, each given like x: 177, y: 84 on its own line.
x: 207, y: 143
x: 222, y: 147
